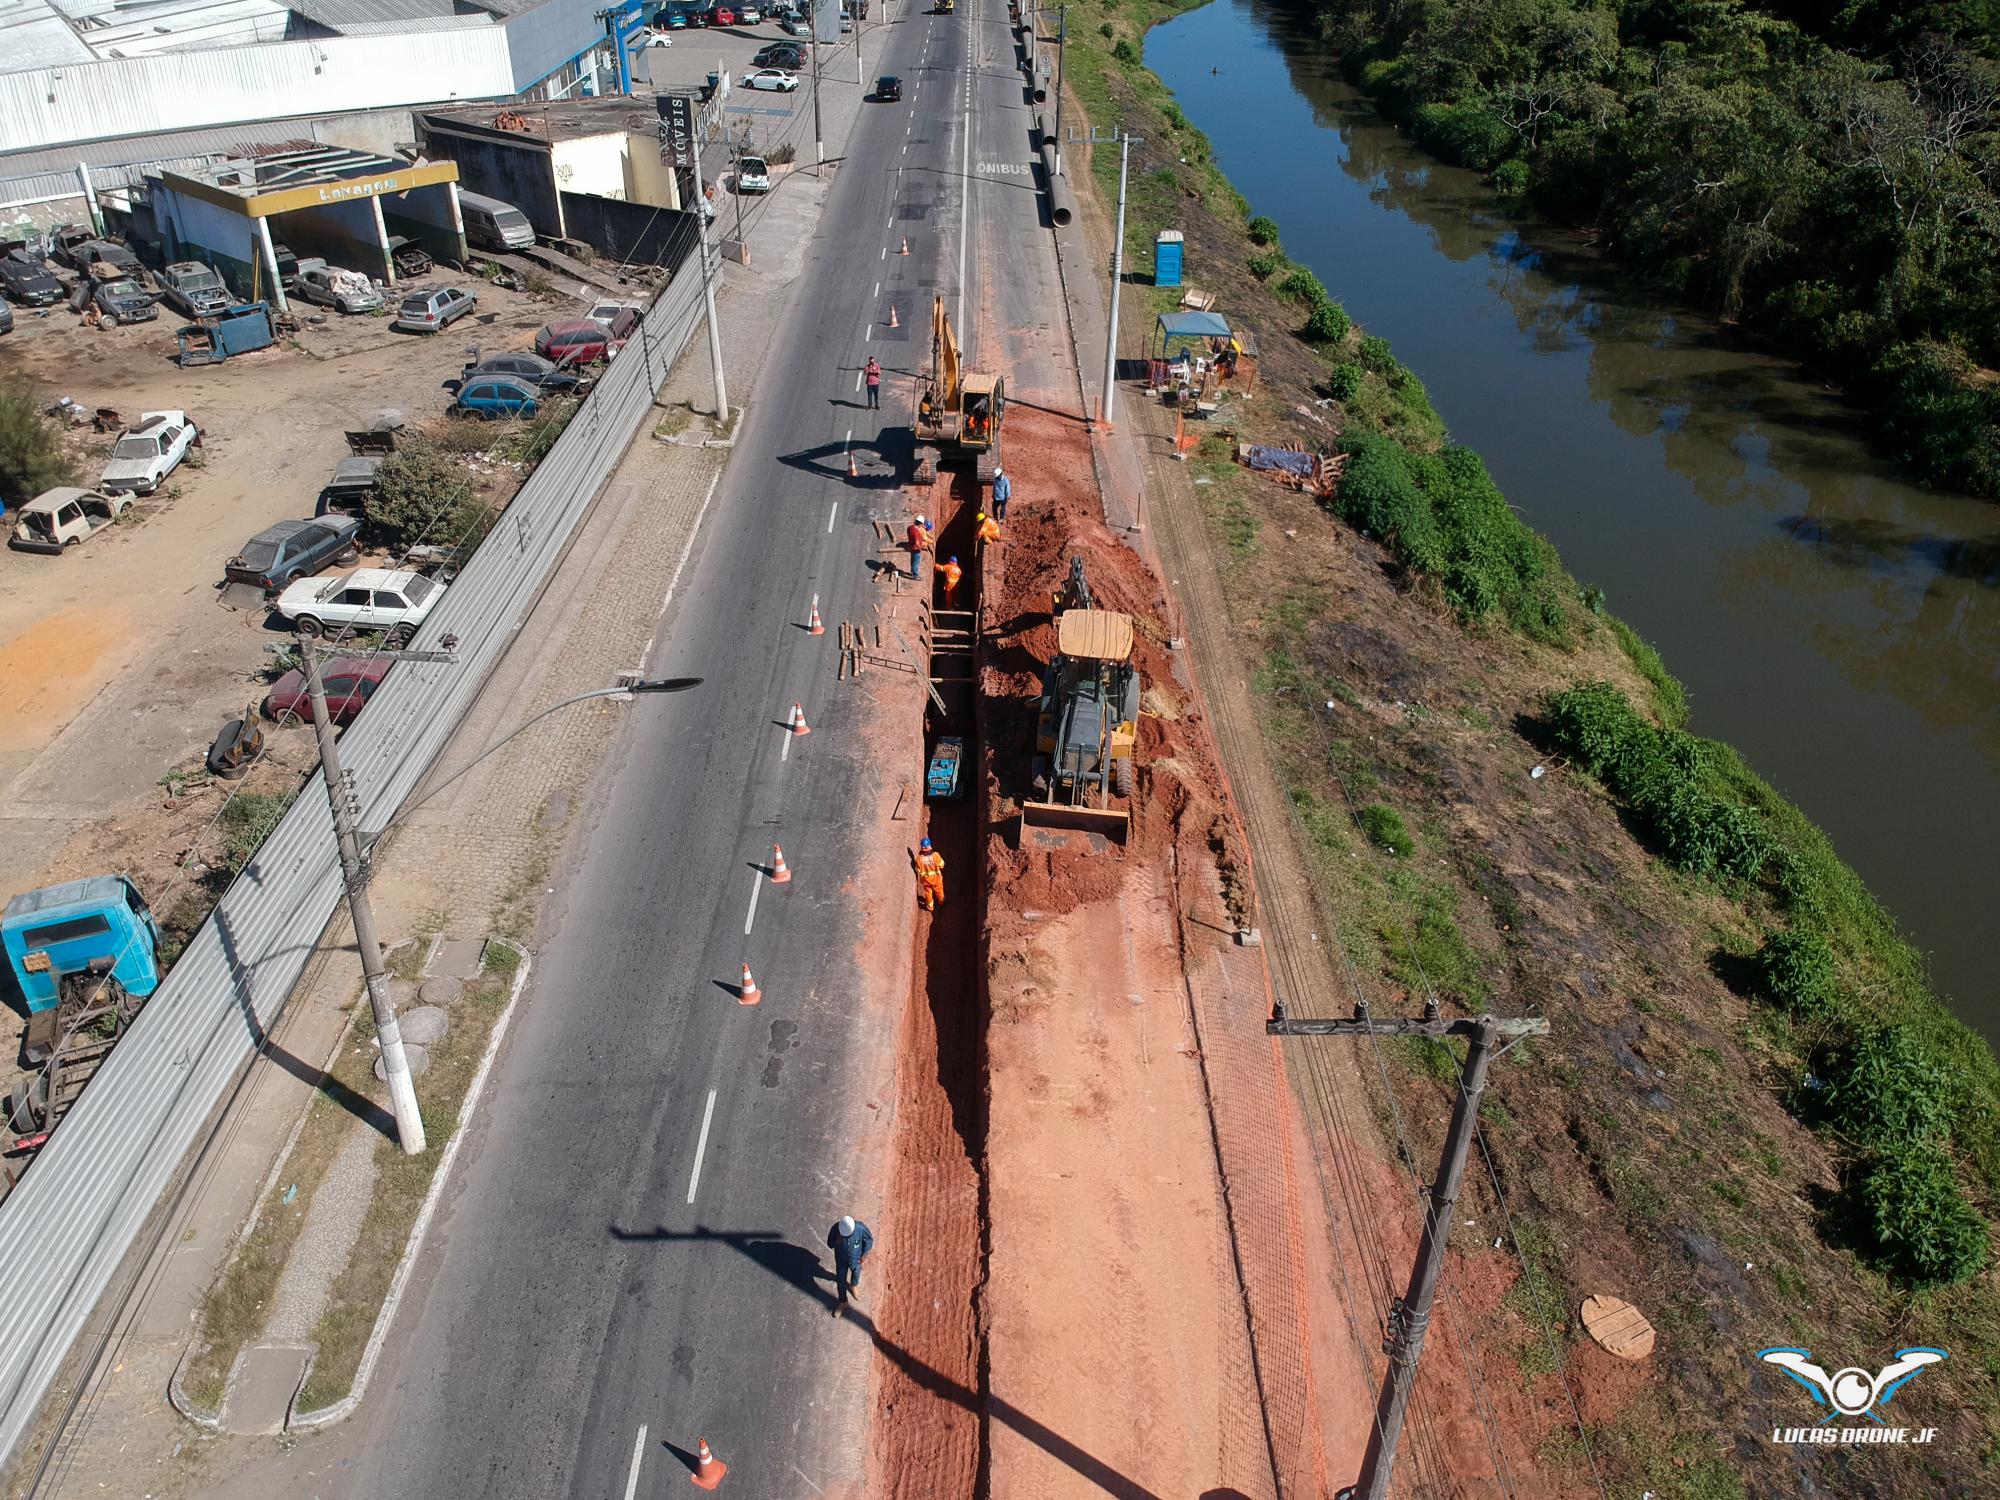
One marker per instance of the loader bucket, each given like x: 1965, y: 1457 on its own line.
x: 1111, y: 822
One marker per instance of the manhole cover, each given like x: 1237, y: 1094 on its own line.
x: 418, y: 1057
x: 423, y: 1024
x: 441, y: 989
x: 1618, y: 1326
x: 402, y: 992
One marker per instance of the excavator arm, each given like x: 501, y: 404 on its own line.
x: 944, y: 357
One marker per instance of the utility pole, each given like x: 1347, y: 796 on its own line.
x: 819, y: 134
x: 1062, y: 39
x: 1117, y: 280
x: 708, y: 287
x: 395, y: 1064
x: 1410, y: 1316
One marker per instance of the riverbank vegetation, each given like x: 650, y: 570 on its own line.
x: 1827, y: 175
x: 1752, y: 1115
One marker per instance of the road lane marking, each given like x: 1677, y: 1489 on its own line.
x: 750, y: 917
x: 964, y: 218
x: 694, y: 1181
x: 878, y: 288
x: 833, y: 511
x: 638, y: 1458
x: 857, y: 379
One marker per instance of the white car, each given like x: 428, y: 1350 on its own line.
x: 330, y: 286
x: 653, y: 39
x: 771, y: 78
x: 365, y: 599
x: 753, y: 175
x: 146, y: 454
x: 749, y: 15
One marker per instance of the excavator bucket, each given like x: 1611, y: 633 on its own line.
x: 1111, y: 822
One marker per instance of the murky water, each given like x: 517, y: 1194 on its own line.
x: 1837, y: 624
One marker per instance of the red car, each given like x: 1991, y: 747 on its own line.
x: 722, y: 15
x: 350, y: 682
x: 584, y: 342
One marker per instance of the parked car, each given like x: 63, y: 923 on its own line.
x: 350, y: 681
x: 797, y: 26
x: 194, y: 288
x: 607, y: 310
x: 288, y: 267
x: 581, y: 341
x: 888, y: 88
x: 776, y: 80
x: 330, y: 286
x: 281, y: 555
x: 433, y: 309
x: 366, y: 599
x: 753, y: 175
x: 653, y: 39
x: 111, y: 262
x: 27, y: 282
x: 779, y: 55
x: 60, y: 518
x: 494, y: 223
x: 749, y: 15
x: 846, y: 19
x: 407, y: 256
x: 497, y: 398
x: 146, y: 454
x: 66, y: 242
x: 722, y: 15
x: 543, y: 374
x: 356, y: 481
x: 124, y: 302
x: 673, y: 20
x: 6, y: 318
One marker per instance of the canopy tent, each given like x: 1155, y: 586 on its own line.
x: 1204, y: 338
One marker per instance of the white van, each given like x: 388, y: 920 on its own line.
x: 493, y: 225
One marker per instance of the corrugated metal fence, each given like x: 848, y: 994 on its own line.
x: 67, y: 1227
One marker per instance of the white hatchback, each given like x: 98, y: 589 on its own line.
x: 776, y: 79
x: 366, y: 599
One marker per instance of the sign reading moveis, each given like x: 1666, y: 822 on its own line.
x: 339, y: 191
x: 677, y: 130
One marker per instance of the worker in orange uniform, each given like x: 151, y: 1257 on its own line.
x: 989, y: 530
x: 930, y: 876
x: 952, y: 573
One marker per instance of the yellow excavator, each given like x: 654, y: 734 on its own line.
x: 959, y: 412
x: 1088, y: 730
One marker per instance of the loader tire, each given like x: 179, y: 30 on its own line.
x: 1121, y: 777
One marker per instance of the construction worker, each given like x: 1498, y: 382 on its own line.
x: 1003, y: 491
x: 930, y: 876
x: 918, y: 541
x: 989, y: 530
x: 952, y: 573
x: 874, y: 377
x: 850, y: 1240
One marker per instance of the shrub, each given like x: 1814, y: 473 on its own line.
x: 1462, y: 134
x: 784, y: 155
x: 423, y: 496
x: 247, y: 820
x: 1511, y: 178
x: 1344, y: 384
x: 1302, y: 286
x: 1377, y: 355
x: 1263, y: 230
x: 1125, y: 52
x: 33, y: 456
x: 1266, y: 265
x: 1174, y: 118
x: 1384, y: 826
x: 1106, y: 31
x: 1328, y: 323
x: 1795, y: 969
x: 1887, y: 1091
x: 1936, y: 420
x: 1922, y: 1228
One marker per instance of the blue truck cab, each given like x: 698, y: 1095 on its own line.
x: 101, y: 922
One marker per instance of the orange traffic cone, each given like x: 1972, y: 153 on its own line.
x: 852, y: 471
x: 799, y: 724
x: 813, y: 625
x: 906, y: 246
x: 779, y: 874
x: 747, y: 993
x: 892, y: 316
x: 708, y: 1469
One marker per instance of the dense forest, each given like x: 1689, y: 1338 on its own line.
x: 1825, y: 172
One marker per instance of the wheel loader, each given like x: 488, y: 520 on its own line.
x: 959, y: 412
x: 1087, y: 735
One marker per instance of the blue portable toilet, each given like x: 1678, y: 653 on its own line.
x: 1167, y: 248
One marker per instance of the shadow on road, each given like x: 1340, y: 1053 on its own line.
x: 800, y: 1269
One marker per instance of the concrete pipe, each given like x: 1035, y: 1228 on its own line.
x: 1044, y: 130
x: 1062, y: 203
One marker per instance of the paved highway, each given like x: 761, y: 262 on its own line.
x: 628, y: 1256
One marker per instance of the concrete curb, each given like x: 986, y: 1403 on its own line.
x: 326, y: 1416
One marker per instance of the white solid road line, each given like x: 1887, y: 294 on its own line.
x: 964, y: 218
x: 857, y: 379
x: 750, y: 917
x: 878, y: 288
x: 832, y: 511
x: 638, y: 1458
x: 694, y: 1181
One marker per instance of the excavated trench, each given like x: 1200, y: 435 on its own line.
x: 931, y: 1418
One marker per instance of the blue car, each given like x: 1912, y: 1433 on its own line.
x: 495, y: 398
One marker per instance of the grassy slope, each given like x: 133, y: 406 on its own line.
x: 1442, y: 876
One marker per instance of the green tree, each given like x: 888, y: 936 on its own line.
x: 33, y: 455
x: 425, y: 496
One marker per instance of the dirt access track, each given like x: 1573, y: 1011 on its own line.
x: 118, y: 663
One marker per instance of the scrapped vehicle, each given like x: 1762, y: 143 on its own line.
x: 366, y: 599
x: 753, y: 175
x: 330, y: 286
x: 543, y: 374
x: 60, y: 518
x: 288, y: 267
x: 146, y: 454
x: 580, y: 341
x: 111, y: 262
x: 6, y: 318
x: 123, y: 302
x: 775, y: 80
x: 194, y: 288
x: 433, y: 309
x: 494, y: 223
x: 408, y: 257
x: 28, y: 282
x: 66, y: 242
x: 350, y: 681
x: 355, y: 483
x: 608, y: 310
x: 239, y: 329
x: 496, y: 398
x: 779, y: 55
x: 279, y: 556
x: 888, y: 88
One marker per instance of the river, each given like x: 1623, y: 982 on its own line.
x: 1837, y: 624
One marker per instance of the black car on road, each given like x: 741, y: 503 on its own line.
x: 780, y: 55
x: 27, y: 283
x: 888, y: 88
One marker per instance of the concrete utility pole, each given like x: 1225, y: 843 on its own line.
x: 1062, y: 40
x: 1410, y: 1317
x: 395, y: 1065
x: 708, y: 288
x: 1117, y: 281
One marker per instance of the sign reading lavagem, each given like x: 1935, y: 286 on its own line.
x: 826, y: 20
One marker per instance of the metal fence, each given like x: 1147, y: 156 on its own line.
x: 65, y: 1230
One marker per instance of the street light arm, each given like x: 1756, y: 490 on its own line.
x: 651, y: 685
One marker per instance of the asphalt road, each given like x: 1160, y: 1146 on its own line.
x: 634, y: 1237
